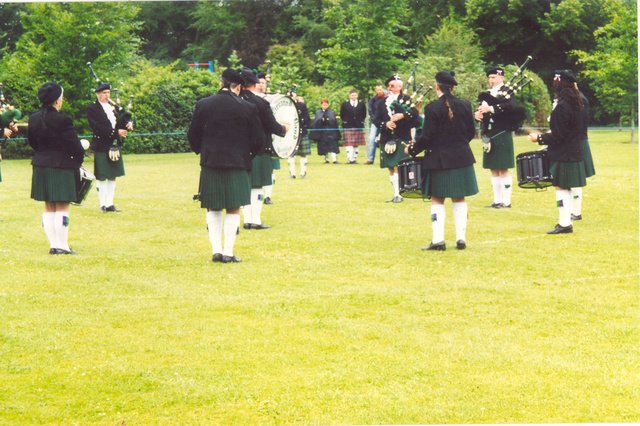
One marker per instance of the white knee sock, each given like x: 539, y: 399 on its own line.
x: 497, y: 189
x: 349, y: 150
x: 269, y: 188
x: 563, y: 200
x: 292, y: 165
x: 460, y: 214
x: 246, y: 213
x: 395, y: 181
x: 48, y: 220
x: 111, y: 190
x: 437, y: 222
x: 355, y: 153
x: 576, y: 198
x: 303, y: 166
x: 101, y: 186
x: 231, y: 223
x: 214, y: 226
x: 256, y: 205
x: 506, y: 183
x: 61, y: 224
x: 334, y: 156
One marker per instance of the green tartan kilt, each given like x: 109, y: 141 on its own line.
x: 501, y: 155
x: 275, y: 163
x: 450, y: 183
x: 568, y: 175
x: 104, y: 168
x: 388, y: 161
x: 589, y: 167
x: 305, y: 146
x: 261, y: 171
x: 53, y: 185
x: 224, y: 189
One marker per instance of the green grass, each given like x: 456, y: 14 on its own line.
x: 335, y: 316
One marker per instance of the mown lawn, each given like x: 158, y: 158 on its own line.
x: 335, y: 315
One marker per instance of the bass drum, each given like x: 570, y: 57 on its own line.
x: 84, y: 181
x: 285, y: 111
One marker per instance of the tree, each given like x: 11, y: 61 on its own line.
x: 10, y: 25
x: 58, y: 40
x: 612, y: 68
x: 363, y: 51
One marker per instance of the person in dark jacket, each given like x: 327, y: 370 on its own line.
x: 589, y: 167
x: 497, y: 122
x: 374, y: 131
x: 564, y: 142
x: 56, y: 163
x: 226, y: 132
x: 353, y: 113
x: 324, y: 130
x: 395, y: 122
x: 262, y: 165
x: 304, y: 148
x: 109, y: 122
x: 448, y: 161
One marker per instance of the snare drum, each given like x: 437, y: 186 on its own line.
x: 285, y: 111
x: 533, y: 170
x: 84, y: 181
x: 410, y: 178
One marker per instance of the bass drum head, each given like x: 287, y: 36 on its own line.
x: 285, y: 111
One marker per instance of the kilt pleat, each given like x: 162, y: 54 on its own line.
x: 104, y: 168
x: 501, y: 155
x: 353, y: 137
x: 53, y: 185
x: 275, y: 163
x: 450, y: 183
x: 261, y: 169
x: 305, y: 146
x: 568, y: 175
x: 589, y: 167
x: 391, y: 160
x: 224, y: 189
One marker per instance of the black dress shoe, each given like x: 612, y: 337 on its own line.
x: 495, y: 205
x: 259, y: 226
x: 336, y: 162
x: 112, y: 208
x: 217, y: 257
x: 230, y: 259
x: 441, y: 246
x: 268, y: 200
x: 303, y: 176
x: 326, y: 161
x: 63, y: 251
x: 504, y: 206
x: 561, y: 229
x: 396, y: 199
x: 103, y: 209
x: 292, y: 177
x: 247, y: 226
x: 53, y: 251
x: 576, y: 217
x: 461, y: 245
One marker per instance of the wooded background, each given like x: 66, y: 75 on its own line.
x: 325, y: 47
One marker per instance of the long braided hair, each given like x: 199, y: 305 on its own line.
x: 448, y: 97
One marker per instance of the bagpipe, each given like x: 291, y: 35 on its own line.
x: 123, y: 114
x: 8, y: 113
x: 402, y: 105
x: 515, y: 116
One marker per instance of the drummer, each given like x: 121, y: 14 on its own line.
x: 261, y: 167
x: 565, y: 146
x: 448, y: 129
x: 58, y: 157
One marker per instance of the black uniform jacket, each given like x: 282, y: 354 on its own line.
x: 586, y: 117
x: 303, y: 115
x: 502, y: 116
x: 104, y: 136
x: 52, y: 136
x: 226, y: 131
x: 446, y: 142
x: 403, y: 127
x: 353, y: 117
x: 565, y: 139
x: 269, y: 124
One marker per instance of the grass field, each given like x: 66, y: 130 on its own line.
x: 335, y: 316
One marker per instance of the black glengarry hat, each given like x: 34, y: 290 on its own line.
x: 102, y: 86
x: 249, y: 76
x: 395, y: 77
x: 496, y: 71
x: 565, y: 75
x: 446, y: 77
x: 232, y: 76
x: 49, y: 92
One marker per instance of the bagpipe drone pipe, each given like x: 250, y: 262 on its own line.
x: 124, y: 115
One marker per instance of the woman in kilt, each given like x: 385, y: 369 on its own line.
x: 448, y: 162
x: 57, y: 159
x: 576, y: 193
x: 564, y: 143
